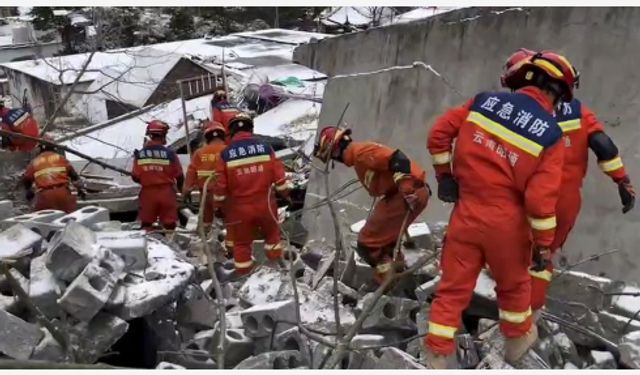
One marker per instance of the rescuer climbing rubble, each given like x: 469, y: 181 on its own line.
x: 507, y: 170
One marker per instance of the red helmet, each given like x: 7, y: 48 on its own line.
x: 219, y: 95
x: 216, y: 129
x: 157, y: 127
x: 328, y: 145
x: 241, y: 121
x: 519, y: 56
x: 548, y: 65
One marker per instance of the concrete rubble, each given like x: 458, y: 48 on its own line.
x: 113, y: 288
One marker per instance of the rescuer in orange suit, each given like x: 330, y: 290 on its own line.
x: 51, y: 173
x: 17, y: 120
x: 582, y: 131
x: 203, y: 164
x: 386, y: 173
x: 507, y: 170
x: 221, y: 110
x: 158, y: 170
x: 248, y: 175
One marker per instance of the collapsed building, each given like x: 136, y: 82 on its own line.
x: 90, y: 287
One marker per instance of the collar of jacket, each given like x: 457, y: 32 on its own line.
x: 241, y: 135
x: 539, y: 96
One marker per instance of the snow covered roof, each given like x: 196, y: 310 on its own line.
x: 61, y: 12
x: 121, y: 138
x: 295, y: 118
x: 268, y: 48
x: 357, y: 16
x: 420, y: 13
x: 135, y: 82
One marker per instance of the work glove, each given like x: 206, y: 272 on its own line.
x: 408, y: 191
x: 448, y: 189
x: 30, y: 195
x: 627, y: 194
x: 540, y: 258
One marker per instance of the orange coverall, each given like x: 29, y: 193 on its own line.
x: 157, y: 168
x: 245, y: 174
x: 20, y: 121
x: 380, y: 233
x: 508, y: 165
x: 577, y: 122
x: 51, y: 173
x: 223, y: 112
x: 203, y: 164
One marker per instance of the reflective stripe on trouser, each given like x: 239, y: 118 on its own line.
x: 470, y: 243
x: 567, y: 210
x: 246, y: 217
x: 273, y: 251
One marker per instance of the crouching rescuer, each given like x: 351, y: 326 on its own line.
x: 51, y: 173
x: 248, y: 176
x: 385, y: 173
x: 505, y: 181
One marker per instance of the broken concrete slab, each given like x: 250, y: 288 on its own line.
x: 393, y: 358
x: 70, y: 250
x: 88, y: 293
x: 466, y: 351
x: 603, y: 360
x: 567, y: 348
x: 91, y: 290
x: 39, y: 222
x: 48, y: 349
x: 6, y: 208
x: 493, y: 361
x: 615, y: 326
x: 107, y: 226
x: 98, y: 335
x: 426, y: 290
x: 582, y: 287
x: 390, y: 312
x: 629, y: 347
x: 628, y: 304
x: 237, y: 345
x: 549, y: 352
x: 142, y: 296
x: 292, y: 339
x: 287, y: 359
x: 261, y: 320
x: 44, y: 288
x: 18, y: 241
x: 116, y: 300
x: 292, y: 259
x: 129, y: 245
x: 87, y: 216
x: 196, y: 309
x: 582, y: 315
x: 20, y: 337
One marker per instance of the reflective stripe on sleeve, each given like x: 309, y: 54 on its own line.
x: 611, y: 165
x: 543, y: 224
x: 441, y: 158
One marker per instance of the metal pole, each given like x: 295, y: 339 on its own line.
x: 224, y: 76
x: 184, y: 116
x: 276, y: 24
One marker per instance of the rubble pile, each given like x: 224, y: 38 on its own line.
x: 94, y: 280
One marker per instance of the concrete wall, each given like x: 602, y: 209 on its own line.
x: 397, y: 107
